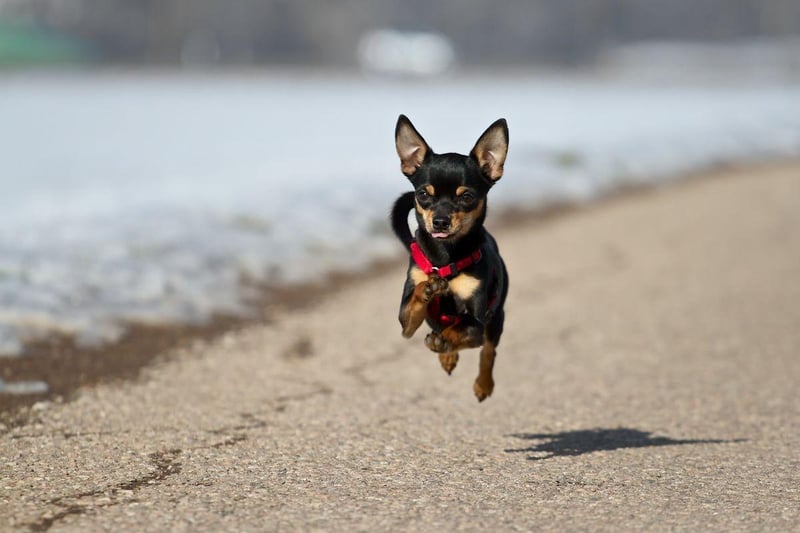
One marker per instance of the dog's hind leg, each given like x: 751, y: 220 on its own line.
x: 448, y: 361
x: 484, y: 383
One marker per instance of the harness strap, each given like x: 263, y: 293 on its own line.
x: 447, y: 271
x: 435, y: 312
x: 436, y: 315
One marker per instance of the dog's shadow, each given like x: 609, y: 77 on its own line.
x: 579, y: 442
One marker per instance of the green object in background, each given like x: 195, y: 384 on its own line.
x: 22, y: 45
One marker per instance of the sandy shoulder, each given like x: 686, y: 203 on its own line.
x: 647, y: 378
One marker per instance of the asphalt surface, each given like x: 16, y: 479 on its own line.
x: 647, y: 380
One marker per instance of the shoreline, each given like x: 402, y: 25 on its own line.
x: 66, y: 368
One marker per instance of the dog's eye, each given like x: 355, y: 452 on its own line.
x: 466, y: 198
x: 422, y: 195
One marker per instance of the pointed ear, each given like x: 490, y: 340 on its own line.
x: 411, y: 147
x: 491, y: 149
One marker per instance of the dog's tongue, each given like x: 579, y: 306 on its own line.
x: 440, y: 235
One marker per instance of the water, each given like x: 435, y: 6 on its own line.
x: 152, y: 198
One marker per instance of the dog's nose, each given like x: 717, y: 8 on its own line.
x: 441, y: 223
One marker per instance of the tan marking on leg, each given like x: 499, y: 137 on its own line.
x: 458, y: 339
x: 448, y: 361
x: 415, y: 310
x: 484, y: 383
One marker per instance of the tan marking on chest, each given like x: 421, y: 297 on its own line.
x: 417, y: 275
x: 464, y: 286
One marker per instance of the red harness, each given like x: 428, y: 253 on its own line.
x: 435, y: 313
x: 447, y: 271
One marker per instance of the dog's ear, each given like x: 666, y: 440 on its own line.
x: 411, y: 147
x: 491, y: 149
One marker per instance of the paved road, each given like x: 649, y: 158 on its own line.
x: 648, y: 379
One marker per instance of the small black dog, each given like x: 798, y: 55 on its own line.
x: 457, y: 280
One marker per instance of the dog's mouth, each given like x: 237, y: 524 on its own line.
x: 440, y: 235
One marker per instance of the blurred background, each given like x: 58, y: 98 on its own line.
x: 173, y: 33
x: 160, y: 158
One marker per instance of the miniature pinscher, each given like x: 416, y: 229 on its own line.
x: 456, y: 281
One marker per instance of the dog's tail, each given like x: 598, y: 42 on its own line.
x: 402, y: 206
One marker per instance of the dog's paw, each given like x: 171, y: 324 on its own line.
x: 436, y: 343
x: 448, y: 361
x: 483, y: 387
x: 435, y: 286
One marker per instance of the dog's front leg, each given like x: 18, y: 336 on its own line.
x: 415, y: 306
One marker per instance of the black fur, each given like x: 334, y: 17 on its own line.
x: 451, y: 227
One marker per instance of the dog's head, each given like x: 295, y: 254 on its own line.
x: 451, y: 188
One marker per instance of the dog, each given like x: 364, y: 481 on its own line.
x: 457, y: 282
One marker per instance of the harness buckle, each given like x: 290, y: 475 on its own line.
x: 449, y: 270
